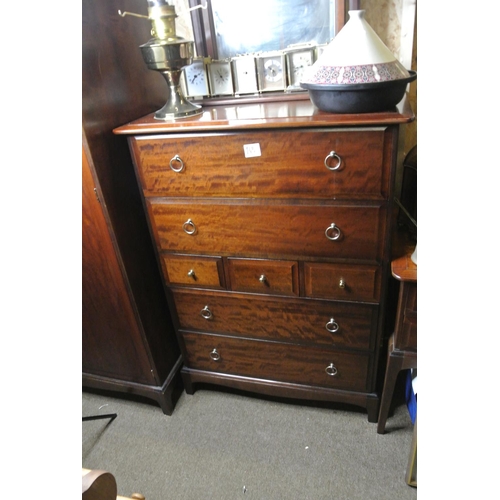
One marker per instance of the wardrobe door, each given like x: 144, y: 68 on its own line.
x: 111, y: 337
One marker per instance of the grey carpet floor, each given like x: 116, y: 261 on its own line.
x: 218, y: 445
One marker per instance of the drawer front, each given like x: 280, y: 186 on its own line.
x: 264, y: 276
x: 230, y: 227
x: 276, y: 361
x: 291, y: 161
x: 342, y: 282
x: 293, y: 320
x: 194, y: 271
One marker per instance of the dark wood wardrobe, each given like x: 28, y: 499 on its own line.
x: 128, y: 341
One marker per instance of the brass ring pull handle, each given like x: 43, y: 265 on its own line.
x: 206, y: 313
x: 332, y: 326
x: 333, y: 232
x: 177, y: 159
x: 331, y: 370
x: 192, y: 274
x: 263, y: 279
x: 215, y: 355
x: 341, y: 283
x: 189, y: 227
x: 333, y: 154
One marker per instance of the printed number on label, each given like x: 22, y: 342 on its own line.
x: 252, y: 150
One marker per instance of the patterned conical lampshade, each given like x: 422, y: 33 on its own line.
x: 356, y: 73
x: 356, y: 55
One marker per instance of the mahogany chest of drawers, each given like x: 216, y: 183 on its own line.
x: 272, y: 225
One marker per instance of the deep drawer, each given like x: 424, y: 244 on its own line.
x: 194, y: 271
x: 291, y: 320
x: 275, y: 361
x: 290, y: 161
x: 255, y: 229
x: 342, y: 282
x: 264, y: 276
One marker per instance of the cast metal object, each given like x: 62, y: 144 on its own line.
x: 333, y: 154
x: 333, y: 232
x: 331, y: 370
x: 332, y: 326
x: 206, y: 313
x: 168, y: 54
x: 189, y: 227
x: 178, y: 160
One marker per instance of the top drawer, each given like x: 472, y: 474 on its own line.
x: 333, y: 163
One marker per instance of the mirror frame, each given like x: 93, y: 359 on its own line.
x: 206, y: 43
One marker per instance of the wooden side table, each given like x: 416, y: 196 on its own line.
x: 402, y: 353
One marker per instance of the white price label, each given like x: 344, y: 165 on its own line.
x: 252, y: 150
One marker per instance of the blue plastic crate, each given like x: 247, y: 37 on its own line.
x: 411, y: 397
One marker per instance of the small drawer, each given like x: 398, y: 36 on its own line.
x: 341, y: 282
x: 306, y: 321
x: 276, y: 361
x: 264, y: 276
x: 194, y: 271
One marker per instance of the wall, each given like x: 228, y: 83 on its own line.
x: 395, y: 22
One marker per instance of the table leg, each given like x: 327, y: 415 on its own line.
x: 394, y: 365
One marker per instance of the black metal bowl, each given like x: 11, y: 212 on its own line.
x: 358, y: 97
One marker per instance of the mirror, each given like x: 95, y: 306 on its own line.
x: 271, y: 25
x: 225, y: 30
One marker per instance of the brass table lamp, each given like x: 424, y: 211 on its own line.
x: 168, y: 54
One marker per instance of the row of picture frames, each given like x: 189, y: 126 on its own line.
x: 276, y: 71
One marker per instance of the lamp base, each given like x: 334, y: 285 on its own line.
x: 177, y: 106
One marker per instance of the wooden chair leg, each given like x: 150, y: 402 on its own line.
x: 394, y: 364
